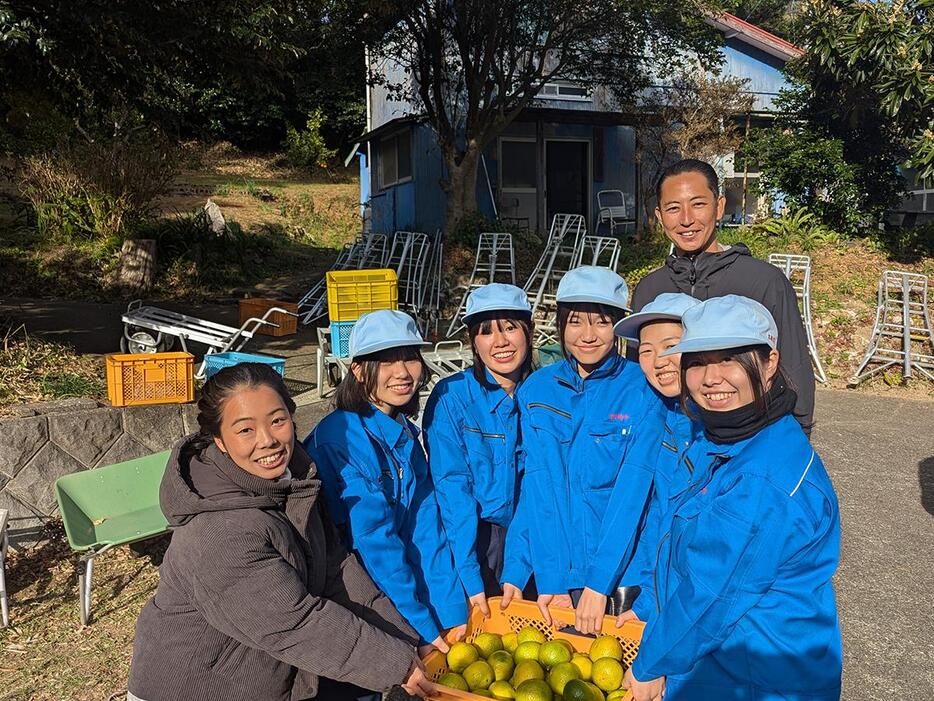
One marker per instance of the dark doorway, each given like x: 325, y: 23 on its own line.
x: 567, y: 184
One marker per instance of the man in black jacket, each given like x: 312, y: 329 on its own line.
x: 689, y: 207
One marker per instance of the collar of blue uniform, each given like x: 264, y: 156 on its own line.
x: 386, y: 429
x: 497, y: 393
x: 567, y: 372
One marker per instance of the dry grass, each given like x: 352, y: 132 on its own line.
x: 34, y: 370
x: 46, y: 655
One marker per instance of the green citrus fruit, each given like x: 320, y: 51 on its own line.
x: 552, y: 653
x: 453, y: 681
x: 510, y: 642
x: 487, y: 644
x: 606, y: 646
x: 607, y: 674
x: 584, y: 665
x: 531, y: 634
x: 561, y: 674
x: 461, y: 656
x: 529, y: 669
x: 478, y: 675
x: 534, y: 690
x: 502, y: 664
x: 502, y: 690
x: 527, y: 651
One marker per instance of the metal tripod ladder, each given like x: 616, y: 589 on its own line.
x: 409, y: 257
x: 494, y: 262
x: 798, y: 271
x: 557, y: 258
x: 902, y: 319
x: 597, y: 250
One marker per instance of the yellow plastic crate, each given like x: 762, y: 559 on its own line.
x: 134, y: 379
x: 517, y: 616
x: 353, y: 293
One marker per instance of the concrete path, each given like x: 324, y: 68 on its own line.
x: 879, y: 452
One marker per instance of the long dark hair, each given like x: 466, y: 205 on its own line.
x: 223, y: 385
x: 752, y: 359
x: 484, y: 325
x: 566, y: 309
x: 354, y: 395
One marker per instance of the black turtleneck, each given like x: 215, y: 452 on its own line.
x: 722, y: 427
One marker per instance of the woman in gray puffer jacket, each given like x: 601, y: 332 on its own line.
x: 257, y: 598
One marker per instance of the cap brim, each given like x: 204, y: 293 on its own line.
x: 487, y: 312
x: 386, y: 345
x: 629, y: 327
x: 591, y: 299
x: 696, y: 345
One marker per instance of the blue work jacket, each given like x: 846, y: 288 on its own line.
x: 630, y: 529
x: 375, y: 479
x: 671, y: 477
x: 743, y: 574
x: 574, y: 437
x: 470, y: 433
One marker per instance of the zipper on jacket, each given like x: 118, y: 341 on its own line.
x: 693, y: 273
x: 689, y: 464
x: 559, y: 412
x: 485, y: 435
x: 669, y: 446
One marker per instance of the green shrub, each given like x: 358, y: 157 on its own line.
x: 307, y: 148
x: 96, y: 190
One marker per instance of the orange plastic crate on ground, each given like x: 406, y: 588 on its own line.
x: 353, y: 293
x: 150, y: 378
x: 257, y: 306
x: 517, y: 616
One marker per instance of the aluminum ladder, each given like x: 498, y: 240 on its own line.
x: 797, y: 269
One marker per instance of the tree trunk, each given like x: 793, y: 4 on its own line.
x: 462, y: 188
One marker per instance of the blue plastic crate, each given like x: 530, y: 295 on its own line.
x: 218, y: 361
x: 340, y: 338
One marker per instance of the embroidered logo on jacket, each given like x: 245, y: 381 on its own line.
x: 619, y: 417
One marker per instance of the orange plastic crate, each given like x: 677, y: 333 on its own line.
x: 353, y: 293
x: 257, y: 306
x: 517, y: 616
x: 134, y: 379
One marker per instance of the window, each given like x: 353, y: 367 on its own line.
x: 517, y: 165
x: 564, y: 91
x: 395, y: 159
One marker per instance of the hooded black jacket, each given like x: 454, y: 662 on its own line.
x: 257, y: 597
x: 735, y: 271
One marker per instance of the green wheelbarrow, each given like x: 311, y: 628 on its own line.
x: 107, y: 507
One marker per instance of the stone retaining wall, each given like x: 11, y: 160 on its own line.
x: 41, y: 442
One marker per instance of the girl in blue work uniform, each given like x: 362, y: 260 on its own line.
x: 744, y: 564
x: 654, y: 330
x: 375, y: 476
x: 471, y: 425
x: 577, y: 418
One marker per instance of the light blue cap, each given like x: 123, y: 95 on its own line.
x: 725, y: 322
x: 668, y: 305
x: 383, y: 329
x: 496, y: 297
x: 593, y: 284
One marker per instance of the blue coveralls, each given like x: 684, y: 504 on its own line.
x: 744, y: 566
x: 671, y: 477
x: 574, y: 438
x: 470, y: 433
x: 636, y: 503
x: 375, y: 479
